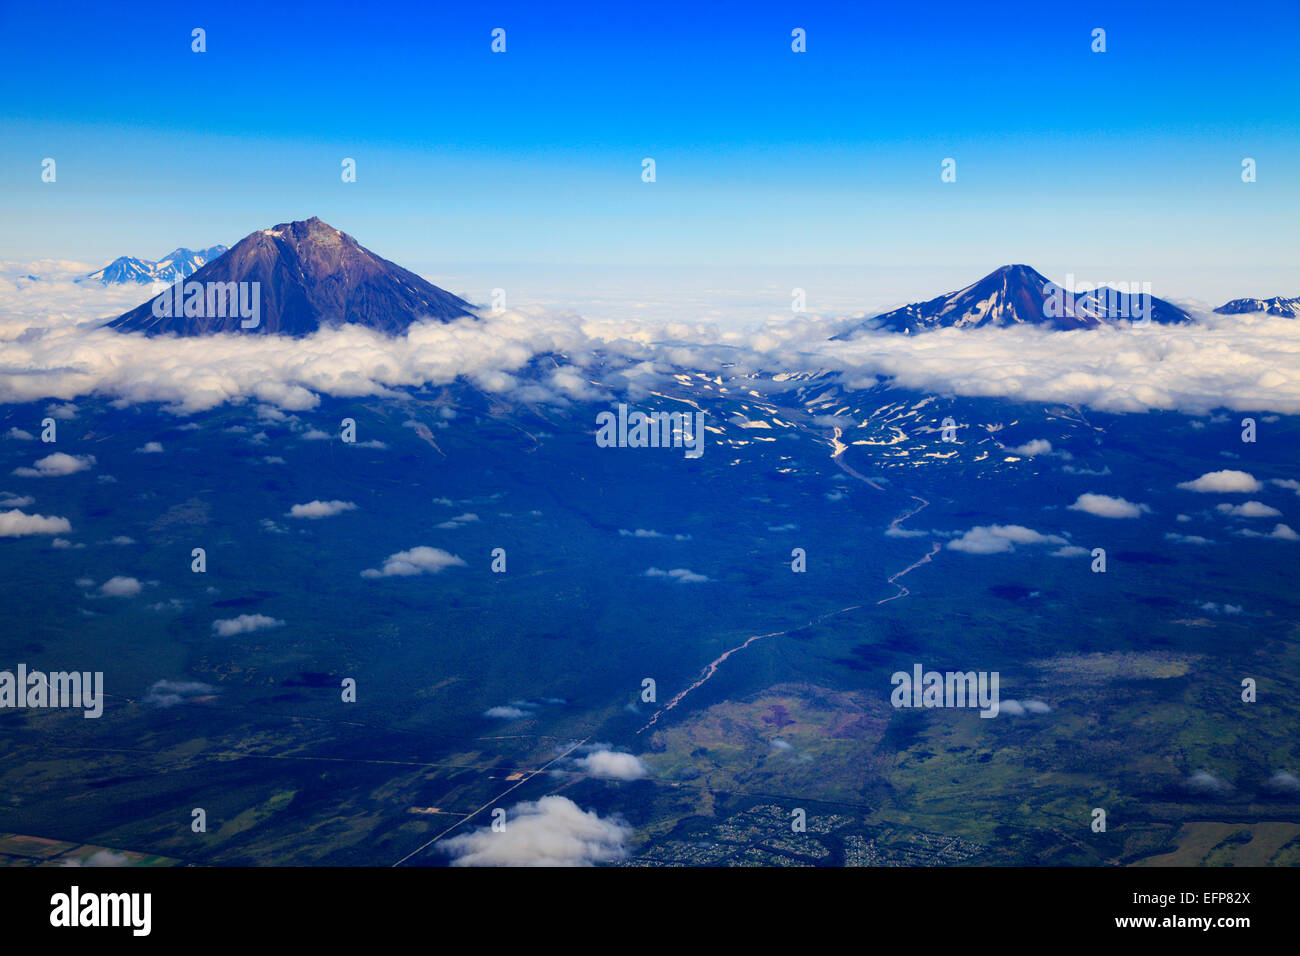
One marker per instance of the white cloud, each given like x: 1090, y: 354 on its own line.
x: 1104, y: 506
x: 244, y: 624
x: 997, y: 539
x: 169, y: 693
x: 1248, y: 509
x: 1205, y: 782
x: 1019, y: 708
x: 1186, y: 538
x: 506, y: 712
x: 680, y: 575
x: 418, y: 560
x: 456, y: 522
x: 1282, y: 532
x: 1070, y: 551
x: 651, y: 533
x: 57, y: 465
x: 1222, y: 481
x: 613, y: 765
x: 150, y: 448
x: 16, y: 524
x: 554, y: 831
x: 1033, y: 448
x: 321, y: 509
x: 120, y: 586
x: 1283, y: 782
x: 1215, y: 608
x: 52, y: 350
x: 100, y: 858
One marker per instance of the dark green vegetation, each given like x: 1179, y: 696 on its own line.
x: 1142, y: 681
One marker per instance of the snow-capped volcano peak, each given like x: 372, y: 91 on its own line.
x: 1020, y: 295
x: 1278, y: 305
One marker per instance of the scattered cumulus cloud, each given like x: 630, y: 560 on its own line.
x: 1248, y: 509
x: 1204, y: 782
x: 998, y: 539
x: 1186, y: 538
x: 17, y: 524
x: 1069, y: 551
x: 1021, y: 708
x: 650, y: 533
x: 613, y: 765
x: 1104, y: 506
x: 121, y: 586
x: 57, y: 465
x: 418, y: 560
x: 169, y: 693
x: 321, y: 509
x: 456, y: 522
x: 1033, y: 448
x: 244, y: 624
x: 1222, y: 481
x: 506, y: 712
x: 554, y: 831
x: 680, y: 575
x: 1280, y: 532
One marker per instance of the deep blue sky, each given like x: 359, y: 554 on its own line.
x: 1123, y: 165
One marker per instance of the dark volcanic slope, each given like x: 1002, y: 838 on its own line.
x: 311, y: 276
x: 1016, y: 295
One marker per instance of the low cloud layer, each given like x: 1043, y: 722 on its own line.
x: 52, y: 349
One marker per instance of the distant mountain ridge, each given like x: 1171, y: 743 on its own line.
x: 1278, y: 305
x: 179, y: 263
x: 1020, y: 295
x: 307, y: 276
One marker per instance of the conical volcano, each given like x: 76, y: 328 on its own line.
x: 303, y: 276
x: 1020, y: 295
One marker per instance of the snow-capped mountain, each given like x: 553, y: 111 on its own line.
x: 1020, y: 295
x: 1288, y: 308
x: 123, y: 270
x: 307, y: 275
x: 179, y: 263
